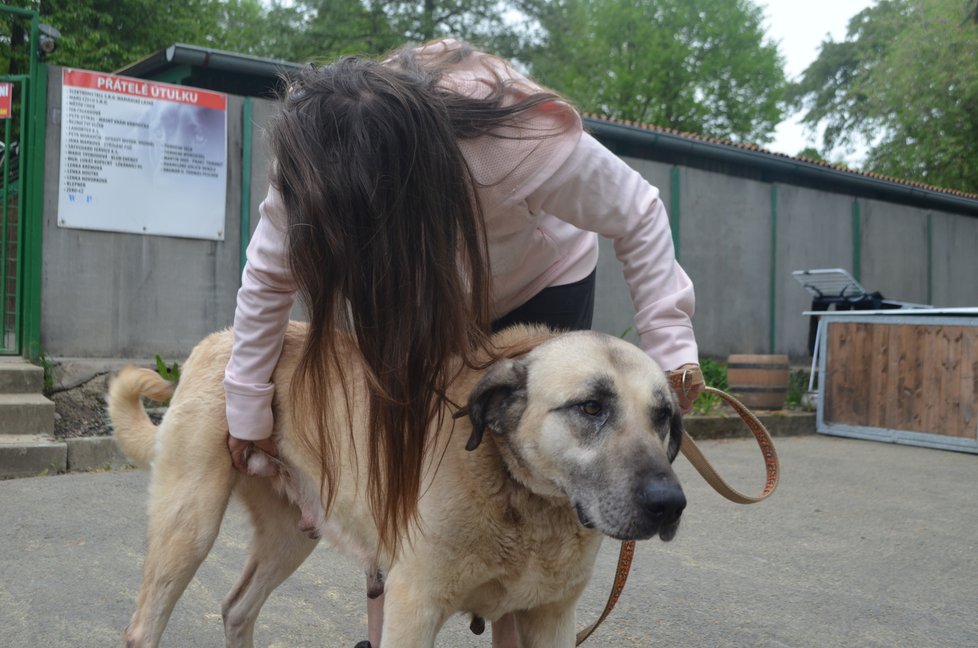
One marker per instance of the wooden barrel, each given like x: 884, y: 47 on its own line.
x: 758, y: 381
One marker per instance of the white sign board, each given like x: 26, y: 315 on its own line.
x: 144, y: 157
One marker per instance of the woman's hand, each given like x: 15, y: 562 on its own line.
x: 688, y: 383
x: 241, y: 450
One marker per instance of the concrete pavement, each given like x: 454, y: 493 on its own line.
x: 864, y: 544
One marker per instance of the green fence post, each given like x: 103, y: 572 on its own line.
x: 31, y: 251
x: 857, y: 241
x: 246, y: 117
x: 930, y: 258
x: 3, y: 235
x: 773, y: 303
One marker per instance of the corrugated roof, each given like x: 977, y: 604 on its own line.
x: 754, y: 148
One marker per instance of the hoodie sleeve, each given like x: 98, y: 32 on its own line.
x: 261, y: 317
x: 596, y: 191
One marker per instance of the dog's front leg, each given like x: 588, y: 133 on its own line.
x: 550, y: 626
x: 410, y: 619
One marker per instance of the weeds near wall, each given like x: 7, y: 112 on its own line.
x: 715, y: 375
x: 171, y: 373
x: 797, y: 388
x: 47, y: 364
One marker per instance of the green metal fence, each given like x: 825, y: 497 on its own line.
x: 21, y: 183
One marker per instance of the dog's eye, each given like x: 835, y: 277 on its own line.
x: 591, y: 408
x: 661, y: 415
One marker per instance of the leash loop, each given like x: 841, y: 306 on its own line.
x: 699, y: 461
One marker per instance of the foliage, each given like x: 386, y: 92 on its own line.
x: 715, y: 375
x: 47, y: 364
x: 696, y: 65
x: 320, y: 30
x: 702, y: 66
x: 811, y: 153
x: 477, y: 21
x: 170, y: 373
x: 797, y: 388
x: 105, y: 35
x: 324, y: 29
x: 905, y: 81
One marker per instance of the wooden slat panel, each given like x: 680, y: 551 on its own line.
x: 881, y: 377
x: 918, y: 378
x: 847, y: 382
x: 969, y: 385
x: 935, y: 415
x: 904, y: 406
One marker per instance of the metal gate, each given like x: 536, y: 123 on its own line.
x: 22, y: 107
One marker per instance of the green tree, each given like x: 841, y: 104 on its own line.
x: 477, y: 21
x: 242, y: 26
x: 811, y: 153
x: 905, y: 81
x: 695, y: 65
x: 324, y: 29
x: 321, y: 30
x: 105, y: 35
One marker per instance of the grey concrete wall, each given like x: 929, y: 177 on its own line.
x: 954, y: 260
x: 726, y: 228
x: 814, y: 230
x: 110, y: 295
x: 725, y: 243
x: 894, y: 251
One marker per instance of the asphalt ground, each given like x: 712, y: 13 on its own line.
x: 864, y: 544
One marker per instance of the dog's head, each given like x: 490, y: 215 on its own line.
x: 592, y: 418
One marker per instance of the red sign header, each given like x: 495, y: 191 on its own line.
x: 144, y: 89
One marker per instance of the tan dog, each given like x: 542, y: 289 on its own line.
x: 563, y: 445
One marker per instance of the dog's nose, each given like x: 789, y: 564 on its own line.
x: 662, y: 500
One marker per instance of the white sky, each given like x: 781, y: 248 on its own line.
x: 799, y: 27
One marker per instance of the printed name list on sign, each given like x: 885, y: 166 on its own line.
x: 140, y: 156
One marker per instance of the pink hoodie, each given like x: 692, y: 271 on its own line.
x: 544, y: 199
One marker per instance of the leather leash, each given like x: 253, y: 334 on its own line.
x: 681, y: 382
x: 699, y: 461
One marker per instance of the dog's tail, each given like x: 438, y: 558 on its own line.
x: 134, y: 431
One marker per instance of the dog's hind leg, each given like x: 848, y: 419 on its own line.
x: 277, y: 550
x: 185, y: 512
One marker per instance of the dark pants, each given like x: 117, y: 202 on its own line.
x: 569, y: 307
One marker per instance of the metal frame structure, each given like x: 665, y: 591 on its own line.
x: 20, y: 237
x: 935, y: 317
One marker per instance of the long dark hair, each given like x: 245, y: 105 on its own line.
x: 386, y: 238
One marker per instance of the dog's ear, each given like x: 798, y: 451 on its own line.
x: 675, y: 435
x: 498, y: 400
